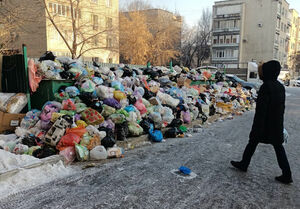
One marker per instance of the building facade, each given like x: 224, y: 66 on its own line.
x: 97, y: 26
x: 250, y: 30
x: 293, y: 44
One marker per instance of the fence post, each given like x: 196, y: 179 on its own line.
x: 26, y: 75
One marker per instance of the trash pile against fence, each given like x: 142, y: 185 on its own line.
x: 105, y: 105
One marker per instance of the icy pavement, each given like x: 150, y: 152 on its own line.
x: 143, y: 179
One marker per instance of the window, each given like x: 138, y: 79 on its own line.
x: 95, y: 59
x: 108, y: 42
x: 110, y: 60
x: 109, y: 3
x: 108, y: 22
x: 59, y: 9
x: 215, y: 40
x: 94, y: 1
x: 276, y: 38
x: 1, y: 2
x: 68, y: 11
x: 63, y: 10
x: 228, y: 39
x: 221, y: 39
x: 50, y: 7
x: 95, y: 22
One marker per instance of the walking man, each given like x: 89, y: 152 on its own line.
x: 268, y: 121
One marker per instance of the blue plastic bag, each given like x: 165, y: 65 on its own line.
x: 129, y: 108
x: 97, y: 80
x: 117, y: 86
x: 72, y: 91
x: 155, y: 135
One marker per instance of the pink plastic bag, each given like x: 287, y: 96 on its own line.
x: 186, y: 116
x: 34, y: 79
x: 68, y: 105
x: 69, y: 154
x: 141, y: 107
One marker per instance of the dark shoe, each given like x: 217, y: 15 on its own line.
x: 239, y: 166
x: 284, y: 179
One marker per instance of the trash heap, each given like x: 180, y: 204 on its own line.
x: 106, y: 105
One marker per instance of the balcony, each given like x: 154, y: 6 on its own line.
x: 216, y: 59
x: 221, y: 30
x: 226, y: 45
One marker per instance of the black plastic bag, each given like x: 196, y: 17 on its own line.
x: 203, y: 117
x: 108, y: 141
x: 121, y: 131
x: 47, y: 56
x: 172, y: 133
x: 44, y: 152
x: 31, y: 141
x: 175, y: 123
x: 146, y: 124
x: 131, y: 99
x: 108, y: 131
x: 148, y: 94
x: 66, y: 75
x: 212, y: 110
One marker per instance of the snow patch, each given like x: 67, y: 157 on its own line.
x: 29, y: 178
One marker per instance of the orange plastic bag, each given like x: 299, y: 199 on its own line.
x: 79, y: 131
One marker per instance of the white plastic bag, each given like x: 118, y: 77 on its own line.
x: 98, y: 153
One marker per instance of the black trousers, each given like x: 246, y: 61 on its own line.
x: 280, y: 154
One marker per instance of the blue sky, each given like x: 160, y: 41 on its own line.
x: 191, y: 9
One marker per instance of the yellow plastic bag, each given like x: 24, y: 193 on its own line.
x: 119, y: 95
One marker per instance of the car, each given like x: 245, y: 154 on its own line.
x: 245, y: 84
x: 296, y: 82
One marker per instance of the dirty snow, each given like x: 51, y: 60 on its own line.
x: 29, y: 178
x: 9, y: 161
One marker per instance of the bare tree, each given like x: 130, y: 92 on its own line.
x: 196, y: 41
x: 87, y: 34
x: 158, y: 36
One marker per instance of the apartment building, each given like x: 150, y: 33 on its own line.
x: 97, y: 26
x: 293, y: 44
x: 249, y: 30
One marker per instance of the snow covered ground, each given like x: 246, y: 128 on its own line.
x: 27, y: 178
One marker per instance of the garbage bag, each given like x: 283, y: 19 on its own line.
x: 212, y: 110
x: 88, y: 86
x: 141, y: 107
x: 68, y: 140
x: 82, y: 153
x: 85, y: 140
x: 79, y: 131
x: 117, y: 85
x: 61, y: 96
x: 123, y: 112
x: 146, y: 125
x: 148, y: 94
x: 31, y: 118
x: 108, y: 141
x: 104, y: 92
x: 69, y: 154
x: 98, y: 81
x: 93, y: 131
x: 146, y: 103
x: 112, y: 103
x: 119, y: 95
x: 16, y: 103
x: 31, y: 140
x: 48, y: 55
x: 175, y: 123
x: 80, y: 107
x: 135, y: 129
x: 155, y: 135
x: 108, y: 124
x: 98, y: 153
x: 186, y: 117
x: 92, y: 117
x: 47, y: 112
x: 156, y: 117
x: 131, y: 99
x: 172, y: 133
x: 117, y: 118
x: 94, y: 141
x: 20, y: 149
x: 121, y: 131
x: 44, y: 152
x: 115, y: 152
x: 132, y: 117
x: 32, y: 149
x: 130, y: 108
x: 72, y: 91
x: 167, y: 99
x: 68, y: 105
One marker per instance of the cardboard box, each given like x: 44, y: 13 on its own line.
x: 9, y: 122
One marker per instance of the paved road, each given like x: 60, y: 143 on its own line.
x: 143, y: 179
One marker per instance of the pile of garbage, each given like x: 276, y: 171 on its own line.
x: 106, y: 105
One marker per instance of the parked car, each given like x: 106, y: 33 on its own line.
x: 295, y: 82
x: 245, y: 84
